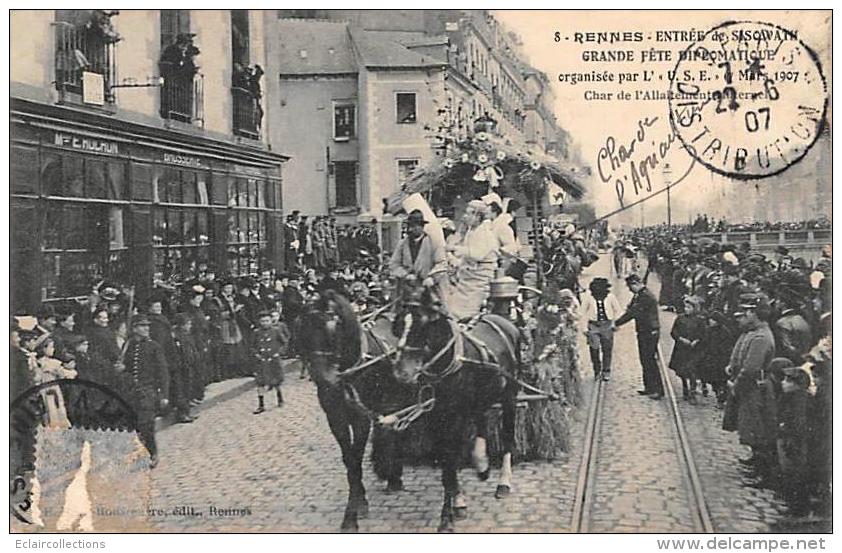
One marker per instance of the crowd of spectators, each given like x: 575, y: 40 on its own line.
x: 704, y: 224
x: 756, y: 331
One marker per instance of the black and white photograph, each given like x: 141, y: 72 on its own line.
x: 400, y: 271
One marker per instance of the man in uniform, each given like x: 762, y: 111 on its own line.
x: 751, y: 390
x: 643, y: 308
x: 145, y: 369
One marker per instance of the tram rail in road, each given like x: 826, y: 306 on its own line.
x: 588, y: 468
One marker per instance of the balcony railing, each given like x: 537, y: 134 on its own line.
x: 248, y: 113
x: 182, y: 99
x: 78, y: 51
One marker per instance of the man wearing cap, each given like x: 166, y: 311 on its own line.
x: 144, y: 366
x: 750, y: 388
x: 643, y: 308
x: 600, y: 308
x: 419, y: 255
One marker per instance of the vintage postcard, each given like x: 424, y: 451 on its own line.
x: 404, y: 271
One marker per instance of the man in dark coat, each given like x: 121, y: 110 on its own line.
x: 183, y: 367
x: 292, y: 301
x: 145, y: 369
x: 103, y: 350
x: 751, y: 389
x: 643, y: 309
x: 162, y: 333
x: 63, y: 334
x: 200, y: 326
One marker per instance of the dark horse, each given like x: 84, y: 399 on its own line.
x: 468, y: 371
x: 350, y: 366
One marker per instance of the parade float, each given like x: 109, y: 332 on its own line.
x: 531, y: 186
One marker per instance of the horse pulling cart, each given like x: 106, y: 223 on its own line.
x: 431, y: 385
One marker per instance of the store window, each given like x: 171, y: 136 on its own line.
x: 82, y: 244
x: 247, y: 226
x: 180, y: 223
x: 23, y: 169
x: 344, y: 121
x: 181, y: 242
x: 406, y: 107
x: 74, y: 176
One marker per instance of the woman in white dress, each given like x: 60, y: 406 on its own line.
x: 476, y: 256
x: 49, y: 368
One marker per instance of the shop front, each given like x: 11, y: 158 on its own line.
x: 133, y: 206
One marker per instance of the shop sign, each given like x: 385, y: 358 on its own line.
x: 94, y: 145
x: 183, y: 160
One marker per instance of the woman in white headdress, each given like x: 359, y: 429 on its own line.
x: 477, y: 259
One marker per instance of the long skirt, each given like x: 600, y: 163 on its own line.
x: 471, y: 288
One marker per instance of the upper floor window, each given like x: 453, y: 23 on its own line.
x: 406, y: 107
x: 245, y: 80
x: 182, y: 91
x: 406, y: 167
x: 344, y: 121
x: 85, y: 61
x: 240, y: 36
x: 344, y: 176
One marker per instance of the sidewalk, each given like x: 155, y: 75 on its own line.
x: 219, y: 392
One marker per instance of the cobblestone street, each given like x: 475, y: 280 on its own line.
x: 281, y: 471
x: 639, y: 484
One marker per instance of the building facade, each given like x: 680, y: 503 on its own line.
x: 140, y: 149
x: 367, y: 96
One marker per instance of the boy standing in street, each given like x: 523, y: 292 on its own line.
x: 270, y: 347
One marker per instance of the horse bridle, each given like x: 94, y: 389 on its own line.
x: 454, y: 343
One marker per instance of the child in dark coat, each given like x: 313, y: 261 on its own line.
x: 688, y: 331
x: 716, y: 354
x: 271, y: 342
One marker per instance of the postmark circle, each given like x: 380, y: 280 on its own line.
x: 748, y: 100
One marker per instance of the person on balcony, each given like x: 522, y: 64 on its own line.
x: 178, y: 68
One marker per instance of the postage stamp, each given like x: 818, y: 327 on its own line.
x: 749, y: 99
x: 74, y: 456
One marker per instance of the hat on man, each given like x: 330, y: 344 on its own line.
x: 782, y: 250
x: 633, y: 279
x: 264, y: 313
x: 415, y: 217
x: 799, y: 263
x: 140, y: 320
x: 752, y: 300
x: 157, y: 296
x: 109, y: 293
